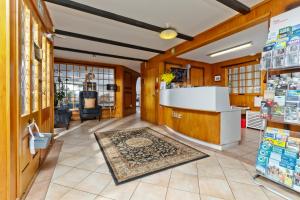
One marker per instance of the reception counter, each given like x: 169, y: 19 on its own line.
x: 202, y: 114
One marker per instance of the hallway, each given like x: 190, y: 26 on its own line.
x: 81, y: 173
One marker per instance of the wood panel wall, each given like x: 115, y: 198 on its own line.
x: 5, y: 172
x: 19, y: 179
x: 150, y: 84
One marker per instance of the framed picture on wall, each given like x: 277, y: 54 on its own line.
x: 217, y: 78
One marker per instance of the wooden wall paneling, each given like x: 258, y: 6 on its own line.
x: 197, y: 76
x: 119, y: 94
x: 5, y: 157
x: 208, y: 131
x: 149, y: 82
x: 195, y: 64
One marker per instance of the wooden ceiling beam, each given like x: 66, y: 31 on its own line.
x: 112, y: 16
x: 106, y: 41
x: 236, y: 5
x: 258, y: 14
x: 98, y: 54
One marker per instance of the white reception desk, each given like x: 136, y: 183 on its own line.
x: 202, y: 114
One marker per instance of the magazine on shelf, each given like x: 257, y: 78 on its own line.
x: 291, y: 113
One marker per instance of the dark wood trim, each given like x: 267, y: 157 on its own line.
x: 106, y: 41
x: 98, y: 54
x: 236, y: 5
x: 113, y: 16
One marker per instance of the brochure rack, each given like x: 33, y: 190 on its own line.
x: 286, y: 124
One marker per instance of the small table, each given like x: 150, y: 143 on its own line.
x: 111, y: 110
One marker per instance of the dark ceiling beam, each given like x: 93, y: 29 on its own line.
x: 98, y: 54
x: 106, y: 41
x: 113, y: 16
x: 236, y: 5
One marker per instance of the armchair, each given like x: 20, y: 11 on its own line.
x: 89, y: 113
x: 62, y: 117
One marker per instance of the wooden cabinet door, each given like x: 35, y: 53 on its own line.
x: 197, y: 76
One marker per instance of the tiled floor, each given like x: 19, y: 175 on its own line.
x: 81, y: 172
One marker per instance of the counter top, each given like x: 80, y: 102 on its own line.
x: 212, y: 99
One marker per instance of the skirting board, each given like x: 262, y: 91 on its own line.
x: 213, y: 146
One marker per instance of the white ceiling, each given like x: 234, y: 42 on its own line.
x: 188, y: 17
x: 257, y: 35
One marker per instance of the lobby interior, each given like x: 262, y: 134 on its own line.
x: 149, y: 100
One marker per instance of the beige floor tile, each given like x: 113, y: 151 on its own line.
x: 103, y: 168
x: 247, y: 192
x: 78, y: 195
x: 60, y: 170
x: 215, y: 187
x: 119, y: 192
x: 146, y: 191
x: 38, y: 190
x: 55, y: 191
x: 91, y: 164
x: 189, y: 168
x: 238, y: 175
x: 208, y: 162
x: 214, y: 171
x: 73, y: 160
x: 72, y: 178
x: 205, y: 197
x: 186, y: 182
x: 228, y: 162
x: 102, y: 198
x: 74, y: 149
x: 174, y: 194
x: 63, y: 156
x: 160, y: 179
x: 94, y: 183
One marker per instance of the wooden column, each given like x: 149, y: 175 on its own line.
x: 4, y: 101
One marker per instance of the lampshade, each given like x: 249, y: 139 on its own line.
x: 168, y: 34
x: 111, y: 87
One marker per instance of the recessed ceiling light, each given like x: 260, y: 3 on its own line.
x: 168, y: 34
x: 231, y: 49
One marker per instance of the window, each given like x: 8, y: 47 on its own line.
x: 25, y: 65
x: 44, y: 73
x: 71, y: 77
x: 35, y: 68
x: 244, y: 79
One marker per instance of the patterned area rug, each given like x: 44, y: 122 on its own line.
x: 133, y: 153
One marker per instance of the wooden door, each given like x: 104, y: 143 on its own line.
x: 149, y: 94
x: 197, y: 76
x: 34, y: 90
x: 129, y: 102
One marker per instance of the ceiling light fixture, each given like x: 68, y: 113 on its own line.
x: 231, y: 49
x: 168, y: 34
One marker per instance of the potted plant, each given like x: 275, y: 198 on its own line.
x: 59, y: 94
x: 167, y: 78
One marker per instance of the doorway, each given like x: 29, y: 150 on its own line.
x: 138, y: 95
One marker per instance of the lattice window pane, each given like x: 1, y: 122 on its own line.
x: 48, y: 73
x: 25, y: 61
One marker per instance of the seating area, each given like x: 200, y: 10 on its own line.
x: 88, y: 107
x: 150, y: 100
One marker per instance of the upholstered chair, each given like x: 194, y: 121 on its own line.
x: 88, y: 105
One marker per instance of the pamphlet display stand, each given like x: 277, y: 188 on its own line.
x: 278, y: 155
